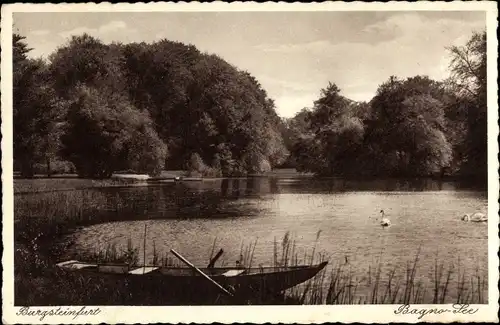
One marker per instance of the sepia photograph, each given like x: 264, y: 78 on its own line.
x: 250, y: 155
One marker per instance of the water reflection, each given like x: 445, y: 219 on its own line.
x: 314, y: 185
x: 225, y: 198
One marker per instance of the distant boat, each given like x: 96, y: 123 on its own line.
x: 140, y: 177
x: 176, y: 179
x: 240, y: 280
x: 188, y: 179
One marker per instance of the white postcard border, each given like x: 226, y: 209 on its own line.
x: 252, y: 314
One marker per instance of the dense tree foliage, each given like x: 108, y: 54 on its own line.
x: 468, y: 80
x: 333, y: 135
x: 401, y: 132
x: 407, y: 127
x: 101, y: 121
x: 35, y: 114
x: 204, y: 105
x: 124, y: 105
x: 412, y: 127
x: 114, y: 134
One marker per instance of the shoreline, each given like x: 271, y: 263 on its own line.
x: 69, y: 182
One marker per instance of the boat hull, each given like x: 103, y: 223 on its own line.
x: 186, y: 283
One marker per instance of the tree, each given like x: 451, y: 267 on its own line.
x: 342, y: 141
x: 196, y: 164
x: 401, y: 132
x: 200, y: 103
x: 406, y: 131
x: 145, y: 152
x: 333, y: 135
x: 329, y: 107
x: 86, y: 60
x: 292, y: 130
x: 35, y: 114
x: 19, y: 49
x: 308, y: 155
x: 188, y: 100
x: 427, y: 148
x: 468, y: 67
x: 114, y: 134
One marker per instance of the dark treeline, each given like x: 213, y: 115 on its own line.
x: 412, y: 127
x: 97, y: 108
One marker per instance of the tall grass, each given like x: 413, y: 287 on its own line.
x: 340, y: 285
x: 25, y: 186
x: 111, y: 254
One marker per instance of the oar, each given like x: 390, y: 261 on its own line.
x: 221, y: 288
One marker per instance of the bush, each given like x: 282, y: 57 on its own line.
x: 56, y: 167
x: 197, y: 168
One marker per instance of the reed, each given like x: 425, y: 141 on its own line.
x: 112, y: 254
x: 339, y: 285
x: 342, y: 288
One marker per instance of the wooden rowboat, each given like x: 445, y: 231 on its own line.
x: 237, y: 280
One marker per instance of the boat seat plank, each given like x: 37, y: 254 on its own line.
x: 65, y: 263
x: 79, y: 266
x: 233, y: 273
x: 144, y: 270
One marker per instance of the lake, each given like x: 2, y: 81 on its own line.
x: 337, y: 218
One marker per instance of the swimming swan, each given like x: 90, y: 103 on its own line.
x: 384, y: 222
x: 475, y: 217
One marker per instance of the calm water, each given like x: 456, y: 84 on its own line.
x: 189, y: 217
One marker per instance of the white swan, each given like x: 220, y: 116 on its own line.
x: 475, y: 217
x: 384, y: 222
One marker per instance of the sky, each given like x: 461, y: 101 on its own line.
x: 292, y: 54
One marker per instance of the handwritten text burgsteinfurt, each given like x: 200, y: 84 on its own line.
x: 59, y: 311
x: 462, y: 309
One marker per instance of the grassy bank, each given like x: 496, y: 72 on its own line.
x: 42, y: 220
x: 38, y: 185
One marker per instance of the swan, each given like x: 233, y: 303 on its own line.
x: 384, y: 222
x: 475, y: 217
